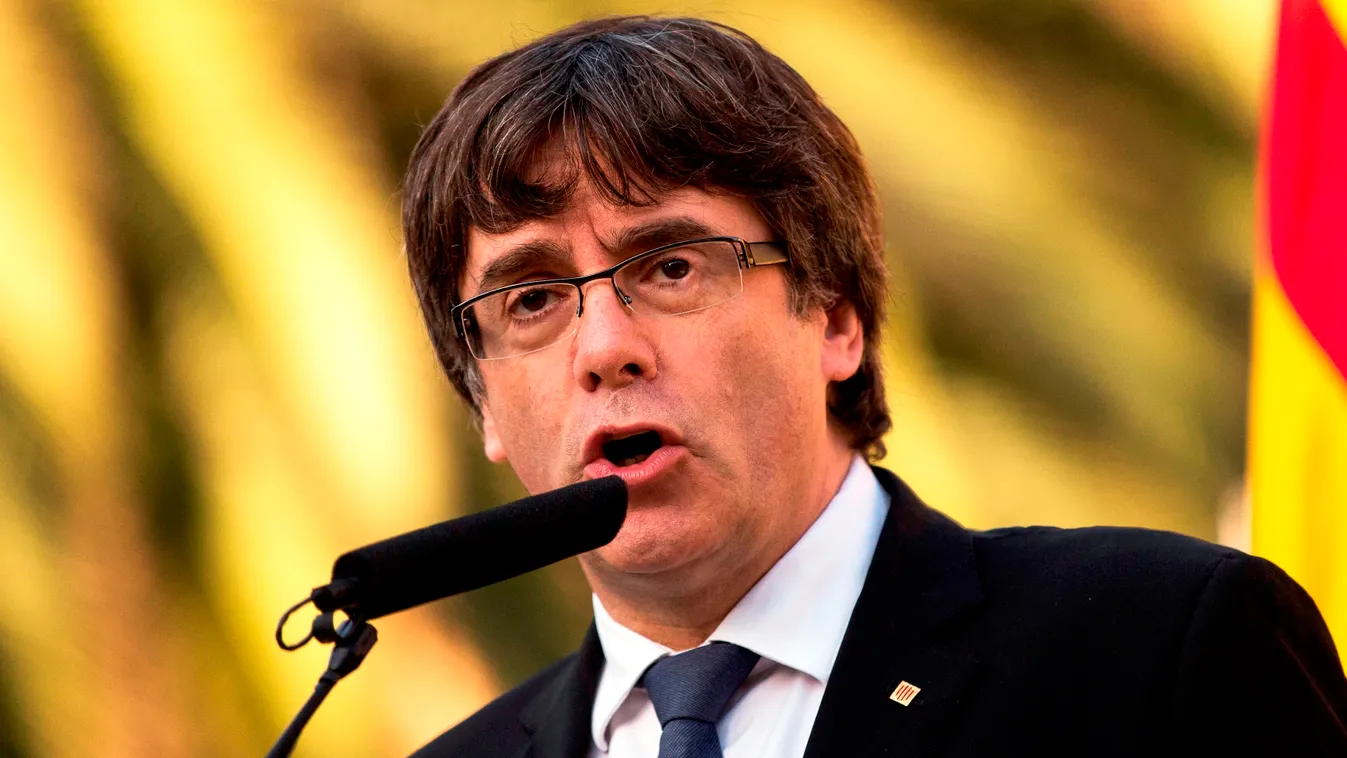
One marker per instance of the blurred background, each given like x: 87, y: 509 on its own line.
x: 213, y: 376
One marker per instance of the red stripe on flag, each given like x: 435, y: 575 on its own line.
x: 1306, y: 170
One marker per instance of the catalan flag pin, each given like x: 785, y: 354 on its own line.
x: 904, y: 693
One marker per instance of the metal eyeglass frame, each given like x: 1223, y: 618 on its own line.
x: 744, y: 253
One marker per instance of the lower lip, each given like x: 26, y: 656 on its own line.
x: 637, y: 474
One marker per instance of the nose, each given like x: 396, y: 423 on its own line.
x: 612, y: 347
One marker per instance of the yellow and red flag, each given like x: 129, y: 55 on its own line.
x: 1298, y: 408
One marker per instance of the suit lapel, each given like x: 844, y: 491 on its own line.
x: 922, y: 581
x: 558, y: 718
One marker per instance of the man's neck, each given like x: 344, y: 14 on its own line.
x: 682, y: 608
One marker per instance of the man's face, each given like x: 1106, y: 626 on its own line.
x: 736, y: 393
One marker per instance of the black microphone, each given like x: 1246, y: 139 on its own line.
x: 476, y: 550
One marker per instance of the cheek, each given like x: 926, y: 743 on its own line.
x: 766, y: 381
x: 528, y: 409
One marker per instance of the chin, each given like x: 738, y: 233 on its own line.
x: 651, y: 544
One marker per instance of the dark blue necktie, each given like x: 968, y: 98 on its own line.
x: 690, y: 691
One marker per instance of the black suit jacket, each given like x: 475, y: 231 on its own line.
x: 1089, y: 642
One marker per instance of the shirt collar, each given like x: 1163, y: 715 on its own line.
x: 627, y: 654
x: 795, y: 615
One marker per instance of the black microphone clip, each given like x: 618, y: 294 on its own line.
x: 338, y: 594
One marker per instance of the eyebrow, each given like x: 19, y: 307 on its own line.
x: 518, y: 261
x: 534, y: 254
x: 653, y: 234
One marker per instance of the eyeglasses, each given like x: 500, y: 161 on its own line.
x: 671, y: 280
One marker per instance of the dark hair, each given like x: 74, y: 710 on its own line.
x: 639, y: 105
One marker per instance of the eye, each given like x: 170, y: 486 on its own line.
x: 529, y: 302
x: 675, y: 268
x: 534, y: 300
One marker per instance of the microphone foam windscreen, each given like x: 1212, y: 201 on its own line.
x: 483, y: 548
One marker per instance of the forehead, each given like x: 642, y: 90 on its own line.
x: 591, y: 233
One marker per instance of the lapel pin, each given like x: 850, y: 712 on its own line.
x: 904, y: 693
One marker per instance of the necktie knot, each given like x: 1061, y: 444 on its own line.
x: 698, y: 684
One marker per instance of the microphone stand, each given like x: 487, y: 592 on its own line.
x: 351, y: 641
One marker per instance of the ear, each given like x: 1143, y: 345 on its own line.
x: 495, y: 451
x: 843, y: 343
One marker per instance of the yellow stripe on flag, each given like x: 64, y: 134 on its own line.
x: 1298, y: 453
x: 1336, y: 10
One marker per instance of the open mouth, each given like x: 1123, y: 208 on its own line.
x: 631, y: 450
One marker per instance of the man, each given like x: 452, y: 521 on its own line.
x: 644, y: 247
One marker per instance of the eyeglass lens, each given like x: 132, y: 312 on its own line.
x: 529, y: 318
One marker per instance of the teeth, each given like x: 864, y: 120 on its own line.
x: 631, y: 449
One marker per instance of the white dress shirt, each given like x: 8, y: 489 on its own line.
x: 794, y: 617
